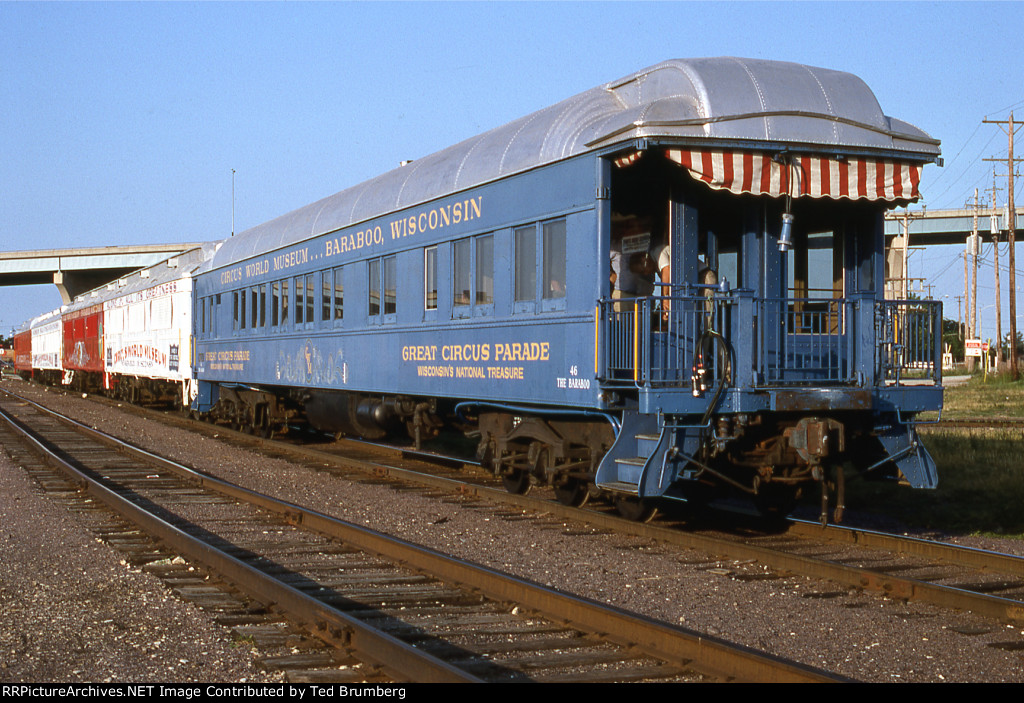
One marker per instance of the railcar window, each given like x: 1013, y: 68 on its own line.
x: 526, y: 263
x: 300, y: 300
x: 554, y: 259
x: 810, y: 268
x: 815, y: 276
x: 263, y: 305
x: 540, y: 266
x: 275, y: 303
x: 473, y: 276
x: 430, y: 278
x: 373, y: 289
x: 326, y: 292
x: 339, y: 294
x: 485, y: 270
x: 461, y: 291
x: 284, y: 302
x: 254, y: 294
x: 310, y: 298
x: 390, y: 285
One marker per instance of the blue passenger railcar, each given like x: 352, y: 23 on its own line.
x: 665, y: 285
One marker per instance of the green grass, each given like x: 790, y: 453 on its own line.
x: 981, y: 471
x: 996, y: 397
x: 981, y: 485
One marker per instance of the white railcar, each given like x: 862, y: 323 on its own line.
x: 148, y: 327
x: 47, y: 349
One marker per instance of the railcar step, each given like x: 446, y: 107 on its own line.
x: 622, y: 487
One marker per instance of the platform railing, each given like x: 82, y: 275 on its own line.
x: 804, y: 341
x: 651, y: 341
x: 909, y: 341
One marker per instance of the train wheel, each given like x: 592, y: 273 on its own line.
x: 573, y: 492
x: 635, y: 509
x: 516, y: 481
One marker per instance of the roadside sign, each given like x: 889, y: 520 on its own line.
x: 975, y: 347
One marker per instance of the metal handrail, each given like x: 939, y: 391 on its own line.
x: 651, y: 341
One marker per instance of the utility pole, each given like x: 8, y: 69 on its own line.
x: 995, y: 255
x: 1011, y: 229
x: 975, y: 248
x: 971, y: 276
x: 970, y: 252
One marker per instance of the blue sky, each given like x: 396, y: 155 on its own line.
x: 122, y: 122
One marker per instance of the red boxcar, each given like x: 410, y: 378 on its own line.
x: 83, y: 348
x: 23, y: 353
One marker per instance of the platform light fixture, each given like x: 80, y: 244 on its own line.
x: 786, y: 235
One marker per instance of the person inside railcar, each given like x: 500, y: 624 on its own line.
x: 643, y: 268
x: 630, y: 244
x: 661, y: 259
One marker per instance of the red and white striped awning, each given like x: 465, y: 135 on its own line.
x: 856, y: 178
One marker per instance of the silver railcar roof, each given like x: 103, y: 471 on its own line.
x: 722, y: 100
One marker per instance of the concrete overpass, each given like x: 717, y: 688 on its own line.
x: 933, y: 228
x: 81, y: 269
x: 929, y: 227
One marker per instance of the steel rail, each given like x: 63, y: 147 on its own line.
x: 981, y: 559
x: 398, y: 659
x: 968, y: 423
x: 668, y: 642
x: 1003, y: 609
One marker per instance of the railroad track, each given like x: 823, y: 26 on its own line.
x: 979, y: 423
x: 987, y: 583
x: 945, y: 575
x: 949, y: 576
x: 404, y: 612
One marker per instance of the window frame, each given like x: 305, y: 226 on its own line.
x: 473, y: 270
x: 430, y: 280
x: 530, y: 294
x: 378, y: 272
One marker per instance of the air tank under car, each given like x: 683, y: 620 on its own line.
x: 493, y: 284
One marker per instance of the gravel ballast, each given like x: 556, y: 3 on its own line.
x: 73, y: 612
